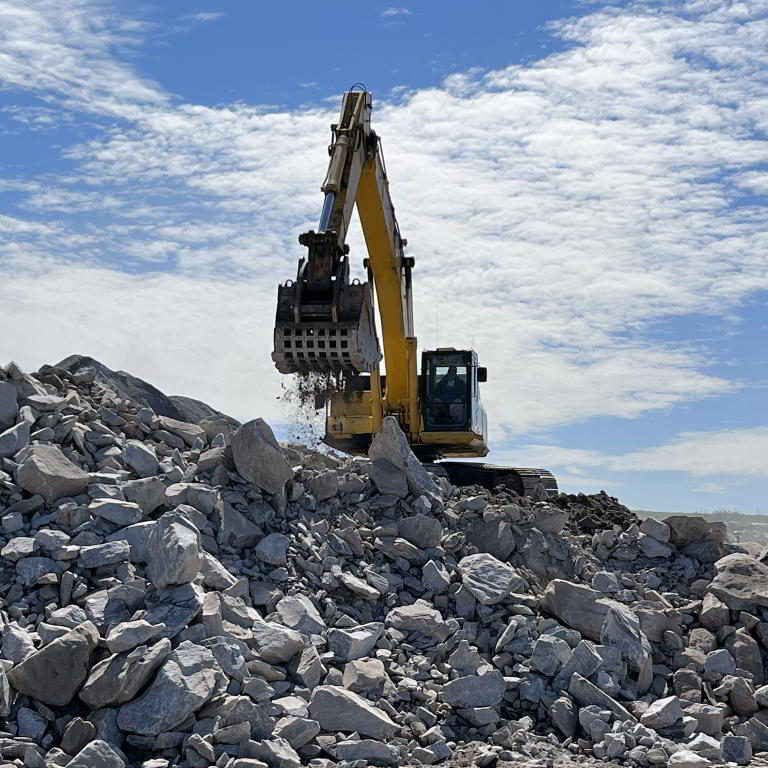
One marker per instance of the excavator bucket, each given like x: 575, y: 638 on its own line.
x: 325, y: 325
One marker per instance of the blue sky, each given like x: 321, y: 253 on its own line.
x: 583, y: 186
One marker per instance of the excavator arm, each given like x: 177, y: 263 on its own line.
x: 326, y: 323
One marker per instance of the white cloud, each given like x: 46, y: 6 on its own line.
x: 556, y: 212
x: 202, y: 16
x: 388, y: 12
x: 709, y: 487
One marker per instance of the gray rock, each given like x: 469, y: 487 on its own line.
x: 662, y: 713
x: 388, y: 479
x: 651, y: 547
x: 120, y: 513
x: 277, y: 644
x: 351, y: 644
x: 17, y: 643
x: 578, y: 606
x: 736, y: 749
x: 549, y: 655
x: 175, y: 607
x: 359, y: 587
x: 621, y: 629
x: 435, y: 577
x: 390, y: 445
x: 337, y: 709
x: 140, y: 458
x: 488, y: 579
x: 714, y: 613
x: 183, y: 429
x: 585, y: 661
x: 130, y: 634
x: 173, y: 550
x: 549, y: 519
x: 9, y: 407
x: 119, y: 678
x: 298, y: 612
x: 97, y: 754
x: 656, y: 529
x: 709, y: 719
x: 685, y: 529
x: 741, y: 582
x: 324, y: 485
x: 210, y: 459
x: 373, y: 752
x: 110, y: 553
x: 757, y: 733
x: 587, y: 693
x: 419, y: 617
x: 148, y: 493
x: 563, y: 714
x: 258, y: 456
x: 493, y: 536
x: 273, y: 549
x: 421, y: 530
x: 77, y: 735
x: 746, y: 653
x: 297, y: 731
x: 46, y: 471
x: 13, y: 439
x: 364, y: 675
x: 717, y: 664
x: 235, y: 529
x: 474, y: 690
x: 605, y: 581
x: 187, y: 679
x: 54, y: 674
x: 137, y: 537
x: 684, y: 758
x: 276, y: 753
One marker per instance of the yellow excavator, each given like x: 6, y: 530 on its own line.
x: 325, y: 323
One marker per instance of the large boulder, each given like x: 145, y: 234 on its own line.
x: 187, y: 679
x: 578, y: 606
x: 621, y: 629
x: 474, y: 690
x: 120, y: 677
x: 741, y: 582
x: 337, y: 709
x: 488, y: 579
x: 97, y: 754
x: 46, y: 471
x: 54, y: 674
x: 14, y: 439
x: 685, y: 529
x: 393, y: 458
x: 174, y: 553
x: 259, y: 457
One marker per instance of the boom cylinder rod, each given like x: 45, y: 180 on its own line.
x: 325, y: 216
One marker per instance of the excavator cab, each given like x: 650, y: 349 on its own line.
x: 450, y: 394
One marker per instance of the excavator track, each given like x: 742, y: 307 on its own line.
x: 526, y: 481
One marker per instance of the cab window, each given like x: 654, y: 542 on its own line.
x: 447, y: 392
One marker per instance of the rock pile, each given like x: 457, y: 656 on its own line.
x: 194, y: 594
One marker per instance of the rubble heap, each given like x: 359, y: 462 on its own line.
x: 195, y: 594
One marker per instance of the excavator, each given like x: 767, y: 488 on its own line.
x: 325, y: 324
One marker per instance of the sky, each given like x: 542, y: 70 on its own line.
x: 582, y: 185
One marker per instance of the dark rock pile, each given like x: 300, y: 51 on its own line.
x: 191, y: 594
